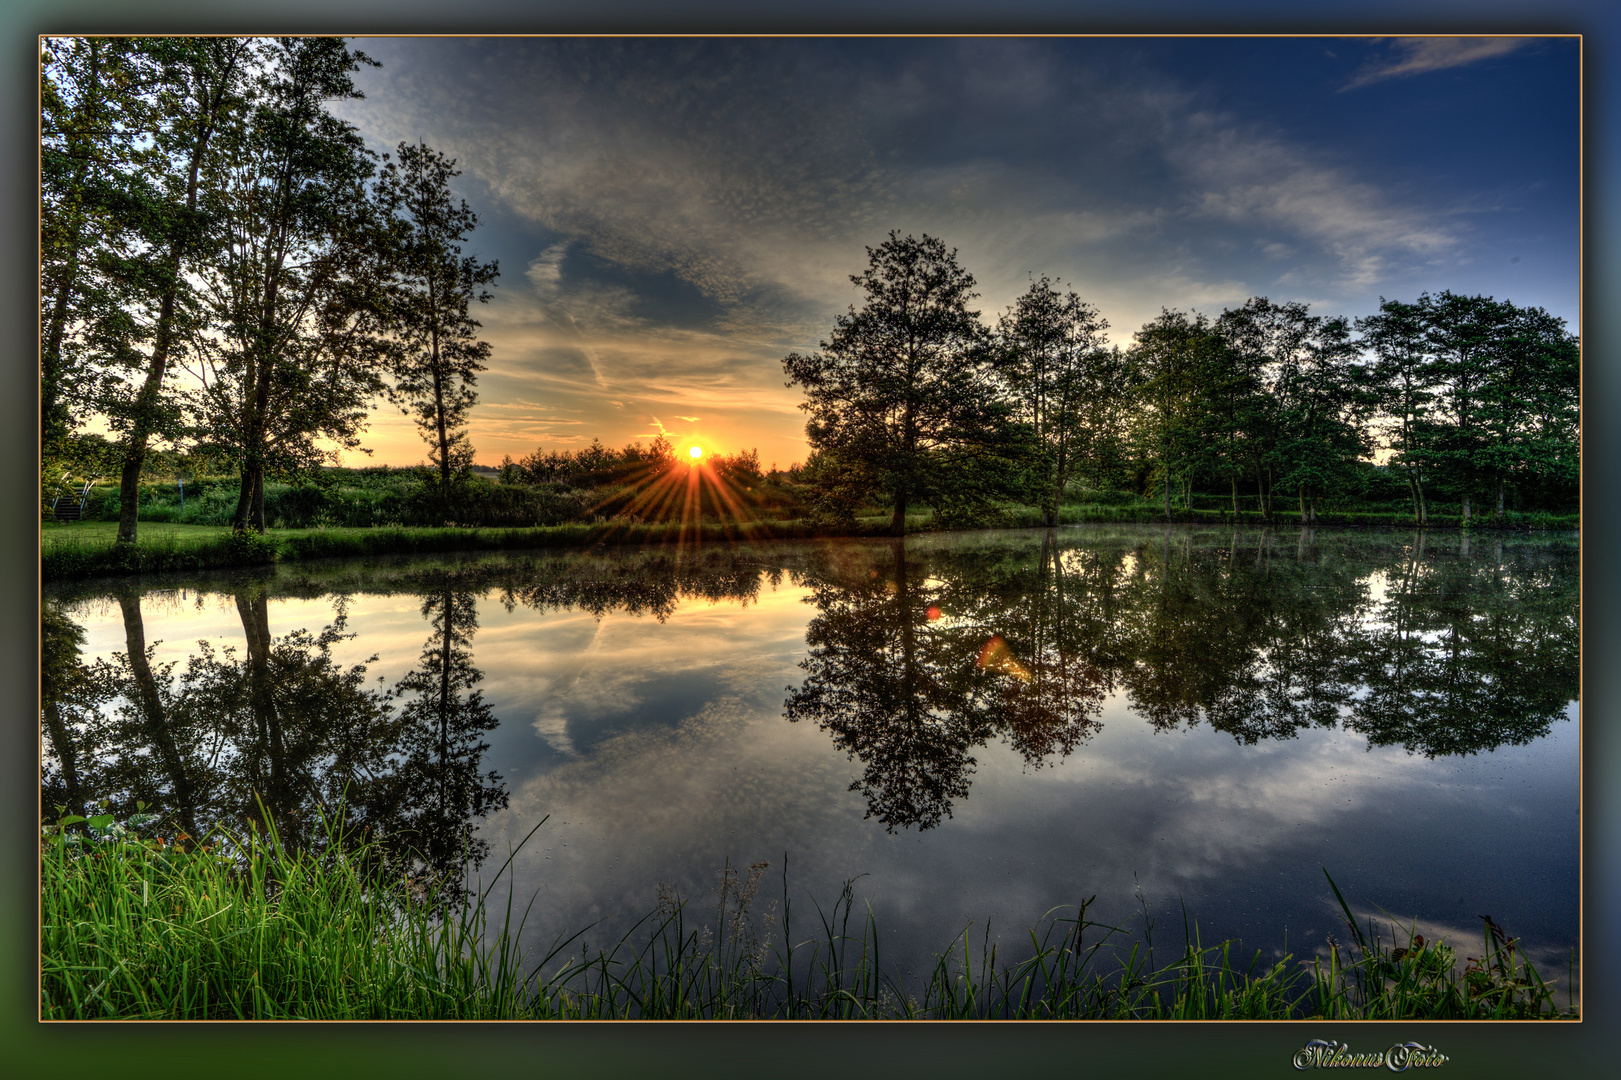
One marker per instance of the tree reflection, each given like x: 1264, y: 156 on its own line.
x: 919, y: 653
x: 1255, y: 648
x: 647, y: 584
x: 918, y: 657
x: 904, y: 676
x: 1466, y: 655
x: 429, y: 801
x: 278, y: 729
x: 69, y: 715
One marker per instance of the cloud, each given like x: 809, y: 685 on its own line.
x: 1417, y: 56
x: 1250, y: 178
x: 694, y: 208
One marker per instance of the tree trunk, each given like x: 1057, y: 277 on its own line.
x: 146, y: 403
x: 1466, y: 510
x: 154, y: 719
x: 145, y: 419
x: 67, y: 755
x: 276, y: 790
x: 897, y: 523
x: 1499, y: 498
x: 438, y: 390
x: 53, y: 423
x: 1234, y: 481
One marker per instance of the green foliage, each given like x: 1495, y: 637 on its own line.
x: 436, y: 354
x: 239, y: 927
x: 1067, y: 387
x: 250, y: 548
x: 902, y: 396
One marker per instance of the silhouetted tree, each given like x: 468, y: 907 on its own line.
x: 901, y: 398
x: 1050, y: 352
x: 438, y: 356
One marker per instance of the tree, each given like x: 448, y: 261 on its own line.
x: 1530, y: 408
x: 293, y: 349
x: 1184, y: 367
x: 199, y: 86
x: 438, y: 356
x: 1306, y: 401
x: 1479, y: 395
x: 85, y: 144
x: 1050, y: 345
x: 1508, y: 381
x: 1403, y: 385
x: 901, y: 398
x: 1462, y: 334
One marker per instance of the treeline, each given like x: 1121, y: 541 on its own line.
x: 203, y: 211
x: 597, y: 464
x: 914, y: 400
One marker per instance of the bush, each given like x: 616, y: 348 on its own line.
x: 249, y: 548
x: 477, y: 503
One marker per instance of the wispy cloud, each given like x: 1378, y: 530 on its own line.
x: 1253, y: 179
x: 693, y: 209
x: 1417, y: 56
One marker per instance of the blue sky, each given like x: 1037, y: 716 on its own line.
x: 673, y: 216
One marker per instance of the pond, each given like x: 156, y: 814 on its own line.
x: 975, y: 727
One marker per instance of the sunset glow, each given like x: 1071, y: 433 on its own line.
x: 667, y: 257
x: 696, y: 452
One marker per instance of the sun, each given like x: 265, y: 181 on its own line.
x: 696, y: 452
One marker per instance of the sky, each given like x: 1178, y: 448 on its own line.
x: 673, y: 216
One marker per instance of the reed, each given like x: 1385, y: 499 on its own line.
x: 242, y: 928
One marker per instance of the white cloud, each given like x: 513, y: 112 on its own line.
x: 1417, y: 56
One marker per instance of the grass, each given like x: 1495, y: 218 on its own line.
x: 243, y: 928
x: 87, y: 549
x: 71, y: 551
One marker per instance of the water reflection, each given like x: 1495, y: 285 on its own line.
x: 901, y: 672
x: 430, y: 798
x: 918, y: 655
x: 276, y: 728
x: 916, y: 658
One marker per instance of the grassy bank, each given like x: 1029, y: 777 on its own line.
x: 83, y: 550
x: 240, y: 928
x: 78, y: 550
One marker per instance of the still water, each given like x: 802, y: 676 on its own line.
x: 977, y: 727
